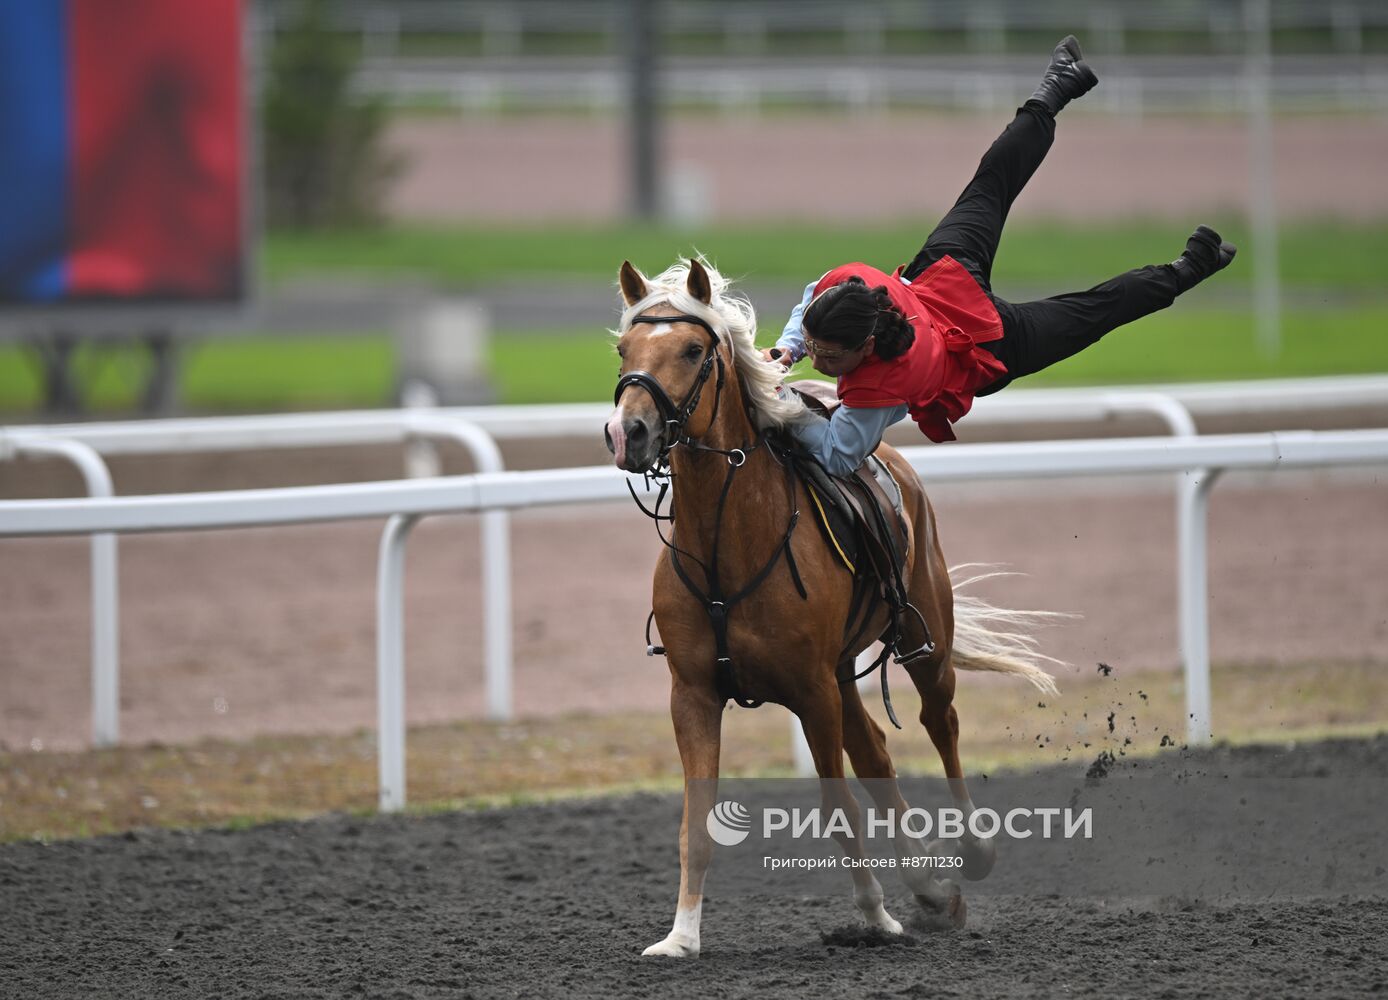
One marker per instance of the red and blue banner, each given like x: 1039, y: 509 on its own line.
x: 121, y: 151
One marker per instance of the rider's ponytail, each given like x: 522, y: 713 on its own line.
x: 894, y: 331
x: 850, y: 312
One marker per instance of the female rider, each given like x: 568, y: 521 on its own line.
x: 930, y: 337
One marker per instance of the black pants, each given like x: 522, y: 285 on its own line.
x: 1035, y: 334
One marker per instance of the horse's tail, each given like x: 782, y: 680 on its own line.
x: 998, y: 639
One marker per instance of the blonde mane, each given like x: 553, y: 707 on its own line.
x: 732, y: 315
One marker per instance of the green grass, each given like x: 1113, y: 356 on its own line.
x: 1336, y: 321
x: 1182, y: 345
x: 1340, y: 257
x: 554, y: 366
x: 252, y: 373
x: 304, y: 373
x: 1178, y: 345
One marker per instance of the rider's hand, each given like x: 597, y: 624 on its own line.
x: 778, y: 354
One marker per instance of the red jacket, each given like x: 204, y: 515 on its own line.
x: 937, y: 377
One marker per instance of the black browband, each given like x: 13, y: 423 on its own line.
x: 682, y: 318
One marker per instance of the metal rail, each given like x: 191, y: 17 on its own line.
x: 476, y: 428
x: 404, y: 500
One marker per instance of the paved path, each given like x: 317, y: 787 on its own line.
x: 875, y: 169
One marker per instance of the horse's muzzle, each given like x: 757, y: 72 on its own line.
x: 631, y: 442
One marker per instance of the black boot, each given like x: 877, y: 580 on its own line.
x: 1205, y: 253
x: 1067, y: 77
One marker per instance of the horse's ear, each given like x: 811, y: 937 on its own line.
x: 632, y: 282
x: 698, y: 284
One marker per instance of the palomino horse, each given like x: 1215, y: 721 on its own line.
x: 684, y: 338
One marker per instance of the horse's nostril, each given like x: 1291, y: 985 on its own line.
x: 636, y: 431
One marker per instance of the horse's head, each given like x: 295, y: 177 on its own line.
x: 671, y: 350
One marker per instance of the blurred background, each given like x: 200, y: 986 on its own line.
x: 401, y: 164
x: 321, y: 204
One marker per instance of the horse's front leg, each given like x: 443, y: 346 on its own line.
x: 698, y: 717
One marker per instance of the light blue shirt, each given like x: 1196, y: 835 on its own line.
x: 842, y: 442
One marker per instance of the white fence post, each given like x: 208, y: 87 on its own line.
x: 496, y: 612
x: 1262, y: 208
x: 496, y: 565
x: 390, y: 662
x: 421, y: 457
x: 105, y: 639
x: 1192, y: 548
x: 801, y: 758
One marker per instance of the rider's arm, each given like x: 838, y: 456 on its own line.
x: 792, y: 339
x: 841, y: 443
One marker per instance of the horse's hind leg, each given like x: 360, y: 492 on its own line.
x: 821, y: 717
x: 931, y: 592
x: 866, y: 744
x: 934, y: 679
x: 698, y: 717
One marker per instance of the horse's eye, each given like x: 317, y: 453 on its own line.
x: 693, y: 352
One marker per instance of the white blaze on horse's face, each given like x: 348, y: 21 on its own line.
x: 671, y: 354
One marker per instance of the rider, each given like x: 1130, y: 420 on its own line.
x: 930, y: 337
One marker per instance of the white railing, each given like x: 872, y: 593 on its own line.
x: 355, y: 427
x: 105, y: 583
x: 157, y: 437
x: 406, y: 500
x: 476, y: 428
x: 81, y: 442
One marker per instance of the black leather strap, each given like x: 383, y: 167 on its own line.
x: 675, y: 416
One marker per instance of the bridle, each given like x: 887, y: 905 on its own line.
x: 674, y: 417
x: 716, y: 602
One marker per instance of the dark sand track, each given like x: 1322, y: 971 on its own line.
x: 559, y: 900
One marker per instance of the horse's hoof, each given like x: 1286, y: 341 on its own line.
x: 978, y: 856
x: 955, y: 909
x: 944, y: 909
x: 884, y: 921
x: 674, y: 947
x: 958, y: 911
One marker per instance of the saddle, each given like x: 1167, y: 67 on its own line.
x: 862, y: 517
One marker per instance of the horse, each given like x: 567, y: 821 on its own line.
x: 677, y: 330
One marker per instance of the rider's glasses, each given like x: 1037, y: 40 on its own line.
x: 817, y: 349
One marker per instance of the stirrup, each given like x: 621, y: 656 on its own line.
x: 916, y: 654
x: 926, y: 648
x: 651, y: 648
